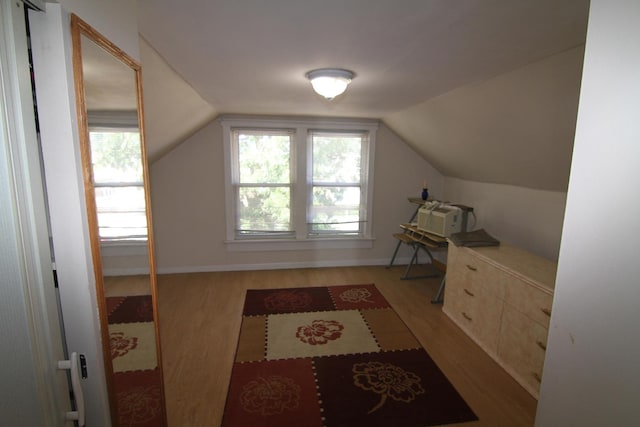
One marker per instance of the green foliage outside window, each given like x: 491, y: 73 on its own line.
x: 337, y: 163
x: 118, y: 178
x: 264, y: 188
x: 116, y: 156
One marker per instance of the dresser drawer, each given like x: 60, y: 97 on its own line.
x: 521, y: 348
x: 501, y: 297
x: 478, y: 313
x: 467, y: 270
x: 529, y: 300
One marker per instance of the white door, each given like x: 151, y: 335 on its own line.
x: 34, y: 391
x: 52, y: 53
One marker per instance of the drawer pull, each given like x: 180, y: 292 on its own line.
x: 468, y: 292
x: 471, y: 267
x: 466, y: 316
x: 536, y: 377
x: 542, y: 345
x: 546, y: 311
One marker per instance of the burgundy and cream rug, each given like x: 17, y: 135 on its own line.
x: 334, y: 356
x: 137, y: 380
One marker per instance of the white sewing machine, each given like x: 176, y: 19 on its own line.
x: 439, y: 218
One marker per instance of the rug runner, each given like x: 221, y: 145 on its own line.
x: 137, y: 380
x: 334, y: 356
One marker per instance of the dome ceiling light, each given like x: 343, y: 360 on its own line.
x: 330, y: 82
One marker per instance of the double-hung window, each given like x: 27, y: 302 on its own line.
x: 118, y: 183
x: 262, y: 183
x: 338, y: 183
x: 290, y: 182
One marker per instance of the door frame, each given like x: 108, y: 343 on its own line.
x: 33, y: 340
x: 53, y: 70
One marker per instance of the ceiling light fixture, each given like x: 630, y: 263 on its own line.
x: 330, y: 82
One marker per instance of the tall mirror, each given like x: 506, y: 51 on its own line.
x: 109, y: 104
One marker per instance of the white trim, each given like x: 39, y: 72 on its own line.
x: 400, y: 262
x: 29, y: 244
x: 112, y: 249
x: 133, y: 271
x: 38, y: 5
x: 112, y: 121
x: 298, y: 245
x: 303, y: 126
x: 293, y: 122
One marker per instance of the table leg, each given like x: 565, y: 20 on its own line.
x: 439, y: 296
x: 393, y: 258
x: 413, y: 262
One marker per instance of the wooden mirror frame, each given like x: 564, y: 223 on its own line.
x: 80, y: 29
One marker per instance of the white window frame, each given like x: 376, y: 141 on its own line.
x: 302, y: 128
x: 119, y: 121
x: 362, y: 183
x: 235, y: 180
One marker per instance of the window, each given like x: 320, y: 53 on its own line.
x: 118, y: 182
x: 298, y: 180
x: 338, y: 184
x: 262, y: 183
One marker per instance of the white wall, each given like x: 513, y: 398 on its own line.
x: 114, y: 19
x: 187, y: 191
x: 504, y: 146
x: 524, y: 217
x: 592, y: 368
x: 516, y: 128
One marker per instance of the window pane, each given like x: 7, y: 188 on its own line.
x: 264, y: 158
x: 264, y: 209
x: 337, y: 158
x: 122, y: 226
x: 121, y: 213
x: 116, y: 157
x: 335, y: 209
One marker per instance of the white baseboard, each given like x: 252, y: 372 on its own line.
x: 280, y: 266
x: 138, y: 271
x: 268, y: 266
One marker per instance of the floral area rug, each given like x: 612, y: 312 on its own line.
x: 334, y: 356
x: 137, y: 380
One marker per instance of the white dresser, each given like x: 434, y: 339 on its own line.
x: 501, y: 297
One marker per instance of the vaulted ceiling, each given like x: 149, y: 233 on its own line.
x: 204, y: 58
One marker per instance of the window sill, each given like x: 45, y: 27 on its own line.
x: 297, y: 245
x: 124, y: 248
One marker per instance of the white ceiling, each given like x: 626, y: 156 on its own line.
x: 251, y: 56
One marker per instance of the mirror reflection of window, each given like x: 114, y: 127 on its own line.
x: 119, y: 186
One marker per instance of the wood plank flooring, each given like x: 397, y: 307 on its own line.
x: 200, y: 315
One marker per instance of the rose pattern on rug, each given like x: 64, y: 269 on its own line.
x: 137, y: 381
x: 320, y: 332
x: 387, y: 380
x: 139, y: 406
x: 270, y: 395
x: 354, y: 295
x: 121, y: 344
x: 354, y: 361
x: 287, y: 300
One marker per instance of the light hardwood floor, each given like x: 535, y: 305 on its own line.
x: 200, y: 315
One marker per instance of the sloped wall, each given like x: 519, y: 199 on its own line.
x: 515, y: 129
x: 504, y: 146
x: 523, y: 217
